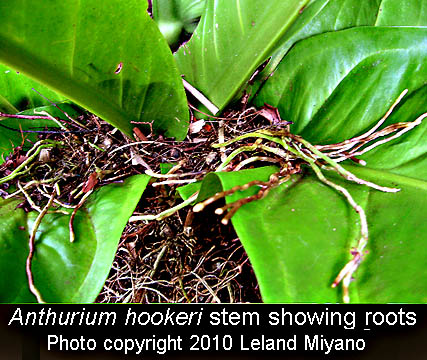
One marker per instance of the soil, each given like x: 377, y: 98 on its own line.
x: 157, y: 261
x: 160, y: 262
x: 187, y: 257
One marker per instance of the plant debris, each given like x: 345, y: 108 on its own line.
x: 184, y: 256
x: 203, y: 261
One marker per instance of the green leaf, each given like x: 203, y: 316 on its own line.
x: 165, y: 12
x: 17, y: 94
x: 64, y: 271
x: 402, y: 13
x: 232, y: 39
x: 394, y: 269
x: 322, y: 16
x: 173, y: 16
x: 11, y: 136
x: 109, y: 57
x: 187, y: 190
x: 190, y: 12
x: 315, y: 87
x: 14, y: 251
x: 165, y: 167
x: 333, y: 87
x: 298, y: 238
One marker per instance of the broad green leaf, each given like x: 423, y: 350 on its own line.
x: 394, y: 270
x: 322, y: 16
x: 14, y: 251
x: 190, y: 12
x: 10, y: 128
x: 109, y: 57
x: 337, y: 85
x: 64, y: 271
x: 232, y: 39
x: 299, y: 237
x: 174, y: 16
x: 19, y: 93
x: 166, y: 14
x: 402, y: 13
x: 406, y: 155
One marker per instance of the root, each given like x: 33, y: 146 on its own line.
x: 296, y: 149
x: 232, y: 208
x: 31, y: 245
x: 272, y: 144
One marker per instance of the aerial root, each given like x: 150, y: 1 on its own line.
x: 278, y: 145
x: 231, y: 208
x: 31, y: 245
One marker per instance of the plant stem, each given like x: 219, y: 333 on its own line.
x: 167, y: 212
x: 234, y: 154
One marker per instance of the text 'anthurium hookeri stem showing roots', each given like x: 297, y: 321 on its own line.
x: 293, y: 151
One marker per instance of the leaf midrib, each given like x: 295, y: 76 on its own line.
x: 386, y: 175
x: 62, y: 83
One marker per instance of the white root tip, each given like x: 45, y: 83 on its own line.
x: 393, y: 190
x: 198, y: 207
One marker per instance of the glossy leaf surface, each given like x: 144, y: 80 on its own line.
x: 64, y: 271
x: 402, y: 13
x: 315, y: 87
x: 322, y: 16
x: 232, y: 39
x: 109, y: 57
x: 19, y: 93
x: 335, y: 86
x: 298, y: 238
